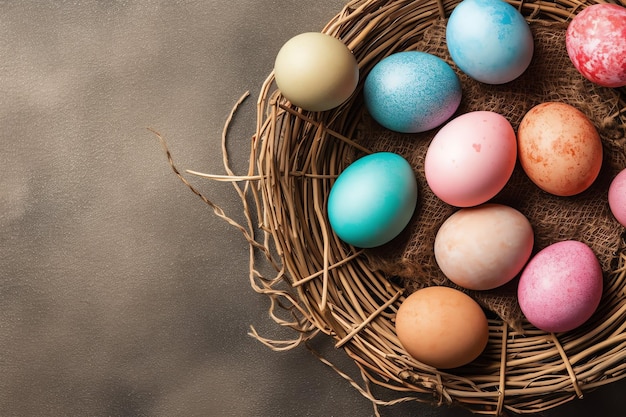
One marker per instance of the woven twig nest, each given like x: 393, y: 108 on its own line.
x: 322, y: 285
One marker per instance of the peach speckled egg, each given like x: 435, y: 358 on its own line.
x: 559, y: 148
x: 442, y: 327
x: 484, y: 247
x: 561, y: 286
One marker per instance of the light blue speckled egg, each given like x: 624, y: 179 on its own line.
x: 489, y: 40
x: 411, y: 92
x: 372, y: 200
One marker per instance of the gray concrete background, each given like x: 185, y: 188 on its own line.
x: 121, y: 294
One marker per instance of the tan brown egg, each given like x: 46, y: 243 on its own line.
x: 442, y: 327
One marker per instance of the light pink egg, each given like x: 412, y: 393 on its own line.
x: 561, y: 286
x: 617, y: 197
x: 471, y: 158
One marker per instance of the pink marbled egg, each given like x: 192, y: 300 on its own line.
x: 561, y: 287
x: 596, y: 44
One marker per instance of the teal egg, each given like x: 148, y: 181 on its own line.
x: 373, y: 200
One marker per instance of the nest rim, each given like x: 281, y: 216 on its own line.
x: 330, y: 287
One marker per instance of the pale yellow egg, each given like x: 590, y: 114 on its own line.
x: 316, y: 71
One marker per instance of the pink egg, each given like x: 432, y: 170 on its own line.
x: 596, y: 44
x: 471, y: 158
x: 561, y: 287
x: 617, y: 197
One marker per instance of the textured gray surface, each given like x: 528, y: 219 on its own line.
x: 120, y: 293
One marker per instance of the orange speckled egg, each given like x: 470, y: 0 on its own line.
x: 442, y: 327
x: 559, y: 148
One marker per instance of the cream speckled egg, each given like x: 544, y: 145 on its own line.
x: 484, y: 247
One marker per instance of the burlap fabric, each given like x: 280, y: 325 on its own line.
x: 585, y: 217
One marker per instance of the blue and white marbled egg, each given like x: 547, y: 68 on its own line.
x: 411, y: 92
x: 489, y: 40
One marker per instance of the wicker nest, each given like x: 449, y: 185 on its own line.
x: 321, y: 285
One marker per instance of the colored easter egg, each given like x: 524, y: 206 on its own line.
x: 483, y: 247
x: 617, y: 197
x: 316, y: 71
x: 489, y: 40
x: 411, y: 92
x: 559, y: 148
x: 561, y: 286
x: 442, y: 327
x: 372, y: 200
x: 471, y: 158
x: 596, y: 44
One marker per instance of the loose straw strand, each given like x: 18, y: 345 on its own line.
x: 568, y: 366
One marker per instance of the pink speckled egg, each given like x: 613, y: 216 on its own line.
x: 560, y: 288
x: 471, y: 158
x: 596, y: 44
x: 617, y: 197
